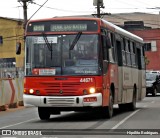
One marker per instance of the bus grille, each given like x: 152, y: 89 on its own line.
x: 57, y: 89
x: 61, y: 102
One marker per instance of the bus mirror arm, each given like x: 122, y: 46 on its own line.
x: 105, y: 66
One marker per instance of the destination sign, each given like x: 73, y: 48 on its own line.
x: 38, y: 28
x: 63, y: 26
x: 68, y: 27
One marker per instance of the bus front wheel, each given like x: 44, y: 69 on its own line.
x: 108, y: 111
x: 44, y: 113
x: 154, y: 93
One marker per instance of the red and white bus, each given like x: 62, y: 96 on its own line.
x: 78, y: 64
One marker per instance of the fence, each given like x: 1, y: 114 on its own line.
x: 11, y: 93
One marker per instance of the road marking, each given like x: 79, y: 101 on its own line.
x: 17, y: 123
x: 121, y: 122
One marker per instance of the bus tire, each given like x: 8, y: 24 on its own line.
x: 154, y: 93
x: 108, y: 111
x: 129, y: 106
x: 132, y: 106
x: 44, y: 113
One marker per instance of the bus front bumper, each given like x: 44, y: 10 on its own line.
x: 93, y: 100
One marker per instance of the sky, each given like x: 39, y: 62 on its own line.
x: 53, y: 8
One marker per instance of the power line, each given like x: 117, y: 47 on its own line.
x: 38, y: 9
x: 63, y: 10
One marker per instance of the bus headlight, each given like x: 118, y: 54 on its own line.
x: 92, y: 90
x: 31, y: 91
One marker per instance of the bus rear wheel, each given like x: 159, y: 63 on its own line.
x: 129, y: 106
x: 132, y: 106
x: 44, y: 113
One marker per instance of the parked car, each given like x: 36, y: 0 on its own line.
x: 152, y: 83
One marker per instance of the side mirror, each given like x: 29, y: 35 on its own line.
x: 18, y: 48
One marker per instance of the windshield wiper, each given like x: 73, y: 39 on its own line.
x: 49, y: 45
x: 75, y: 41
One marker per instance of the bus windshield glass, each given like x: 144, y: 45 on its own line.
x: 56, y: 57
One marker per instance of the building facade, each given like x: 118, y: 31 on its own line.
x: 11, y: 34
x: 151, y: 38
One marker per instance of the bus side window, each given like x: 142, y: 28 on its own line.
x: 111, y: 49
x: 123, y: 52
x: 139, y: 58
x: 142, y: 57
x: 133, y: 54
x: 128, y: 56
x: 119, y: 52
x: 104, y: 47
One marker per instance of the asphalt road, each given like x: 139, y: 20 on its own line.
x: 25, y: 121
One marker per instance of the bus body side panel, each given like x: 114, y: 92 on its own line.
x: 110, y: 79
x: 130, y: 77
x: 143, y: 93
x: 135, y: 80
x: 142, y: 85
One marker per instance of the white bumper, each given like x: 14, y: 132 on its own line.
x: 61, y: 101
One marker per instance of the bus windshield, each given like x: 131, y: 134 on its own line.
x: 56, y: 57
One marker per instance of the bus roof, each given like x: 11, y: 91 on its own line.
x: 123, y: 32
x: 64, y: 18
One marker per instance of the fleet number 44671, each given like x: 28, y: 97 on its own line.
x: 86, y: 80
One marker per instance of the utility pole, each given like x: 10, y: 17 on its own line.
x: 98, y: 10
x: 25, y: 11
x: 99, y: 4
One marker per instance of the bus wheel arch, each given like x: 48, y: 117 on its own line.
x: 111, y: 101
x: 44, y: 113
x: 112, y: 91
x: 132, y: 106
x: 107, y: 111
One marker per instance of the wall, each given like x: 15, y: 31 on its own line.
x: 12, y: 32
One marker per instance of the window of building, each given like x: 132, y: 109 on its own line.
x: 1, y: 40
x: 150, y: 46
